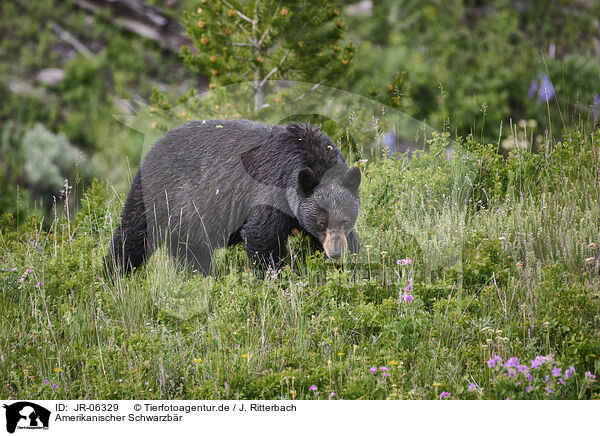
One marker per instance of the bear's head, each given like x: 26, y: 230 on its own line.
x: 328, y: 207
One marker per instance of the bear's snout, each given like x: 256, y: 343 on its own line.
x: 335, y: 244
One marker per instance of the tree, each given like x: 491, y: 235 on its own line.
x: 260, y: 40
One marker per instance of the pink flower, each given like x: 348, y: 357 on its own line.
x: 569, y: 372
x: 54, y: 386
x: 312, y: 388
x: 373, y: 370
x: 556, y: 371
x: 494, y: 360
x: 46, y: 381
x: 384, y: 368
x: 444, y: 395
x: 590, y: 375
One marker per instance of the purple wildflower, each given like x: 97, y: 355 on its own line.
x: 27, y: 271
x: 408, y: 297
x: 473, y: 386
x: 39, y: 284
x: 386, y: 374
x: 548, y: 379
x: 444, y: 395
x: 404, y: 262
x: 550, y: 391
x: 590, y: 375
x: 384, y: 368
x: 512, y: 372
x: 312, y: 388
x: 556, y: 371
x: 54, y: 386
x: 528, y: 388
x: 523, y: 368
x: 537, y: 362
x: 532, y: 89
x: 22, y: 279
x: 596, y: 105
x: 529, y: 377
x: 569, y: 372
x: 494, y: 360
x: 562, y: 382
x: 546, y: 91
x: 373, y: 370
x: 512, y: 362
x: 46, y: 381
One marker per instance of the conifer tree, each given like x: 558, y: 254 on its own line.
x: 259, y: 40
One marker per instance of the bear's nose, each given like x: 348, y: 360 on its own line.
x: 335, y: 244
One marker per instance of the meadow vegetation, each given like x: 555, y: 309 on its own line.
x: 477, y: 279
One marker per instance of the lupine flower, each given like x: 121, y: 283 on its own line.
x: 537, y: 362
x: 493, y: 361
x: 444, y: 395
x: 569, y: 372
x: 590, y: 375
x: 532, y: 89
x: 546, y: 91
x: 473, y: 386
x: 373, y: 370
x: 556, y: 371
x: 512, y: 362
x: 312, y: 388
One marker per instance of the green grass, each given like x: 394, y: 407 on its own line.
x: 498, y: 249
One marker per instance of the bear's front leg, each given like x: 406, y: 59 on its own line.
x: 265, y: 234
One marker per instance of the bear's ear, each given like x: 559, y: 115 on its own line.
x: 352, y: 179
x: 307, y: 181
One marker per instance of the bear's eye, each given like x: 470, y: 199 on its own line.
x: 322, y: 226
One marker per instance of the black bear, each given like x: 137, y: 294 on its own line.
x: 215, y: 183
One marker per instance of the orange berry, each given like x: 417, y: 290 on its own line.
x: 203, y: 41
x: 284, y: 12
x: 199, y: 10
x: 345, y: 61
x: 228, y: 31
x: 213, y: 58
x: 390, y: 87
x: 259, y: 60
x: 300, y: 43
x: 277, y: 99
x: 201, y: 24
x: 231, y: 13
x: 336, y: 47
x: 214, y: 72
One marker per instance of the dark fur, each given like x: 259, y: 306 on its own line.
x: 216, y: 183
